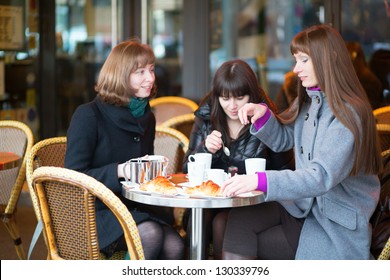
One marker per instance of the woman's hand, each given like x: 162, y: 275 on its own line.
x: 254, y: 111
x: 213, y: 141
x: 239, y: 184
x: 120, y: 170
x: 121, y: 167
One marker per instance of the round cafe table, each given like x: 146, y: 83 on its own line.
x: 9, y: 160
x: 197, y: 205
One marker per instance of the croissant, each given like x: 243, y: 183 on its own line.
x: 206, y: 188
x: 160, y: 184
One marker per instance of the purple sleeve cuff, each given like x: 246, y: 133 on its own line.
x: 259, y: 123
x: 261, y: 181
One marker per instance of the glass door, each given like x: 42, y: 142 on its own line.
x: 83, y: 41
x: 165, y: 37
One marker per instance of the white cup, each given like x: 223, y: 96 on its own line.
x: 195, y: 173
x: 253, y: 165
x: 217, y: 176
x: 201, y: 157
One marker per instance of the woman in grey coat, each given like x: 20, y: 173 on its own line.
x: 322, y: 209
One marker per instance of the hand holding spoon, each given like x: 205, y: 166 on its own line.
x: 225, y: 149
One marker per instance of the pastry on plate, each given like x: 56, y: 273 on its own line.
x: 160, y: 184
x: 208, y: 188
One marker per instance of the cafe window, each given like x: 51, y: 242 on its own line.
x: 165, y: 37
x: 83, y: 42
x: 260, y: 31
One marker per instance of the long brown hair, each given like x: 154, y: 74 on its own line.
x: 113, y: 85
x: 346, y: 97
x: 233, y: 78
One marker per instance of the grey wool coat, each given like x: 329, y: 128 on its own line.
x: 336, y: 206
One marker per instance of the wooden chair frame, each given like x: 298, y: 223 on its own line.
x: 166, y: 107
x: 174, y: 99
x: 382, y: 115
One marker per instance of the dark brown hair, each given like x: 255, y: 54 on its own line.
x: 233, y: 78
x: 346, y: 97
x: 113, y: 85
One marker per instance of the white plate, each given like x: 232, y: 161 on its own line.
x: 247, y: 194
x: 185, y: 185
x: 135, y: 188
x: 129, y: 185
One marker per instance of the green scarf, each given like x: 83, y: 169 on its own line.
x: 137, y: 106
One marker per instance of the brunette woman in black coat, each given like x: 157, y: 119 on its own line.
x: 115, y: 127
x: 216, y: 121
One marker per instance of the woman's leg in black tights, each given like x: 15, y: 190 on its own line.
x: 173, y: 245
x: 219, y: 226
x: 246, y: 224
x: 152, y: 238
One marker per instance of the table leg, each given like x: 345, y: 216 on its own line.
x: 197, y: 234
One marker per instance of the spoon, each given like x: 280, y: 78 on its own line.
x: 225, y: 149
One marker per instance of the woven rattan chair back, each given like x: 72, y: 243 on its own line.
x: 385, y: 253
x: 384, y: 135
x: 173, y: 144
x: 182, y: 123
x: 15, y: 137
x: 382, y: 115
x: 167, y: 107
x: 47, y: 152
x: 67, y: 202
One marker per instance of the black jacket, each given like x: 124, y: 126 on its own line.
x: 101, y: 136
x: 246, y: 146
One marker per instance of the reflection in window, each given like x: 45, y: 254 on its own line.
x: 260, y: 31
x: 166, y: 40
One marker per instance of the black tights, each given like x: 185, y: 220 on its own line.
x: 160, y: 242
x: 219, y: 226
x: 265, y: 231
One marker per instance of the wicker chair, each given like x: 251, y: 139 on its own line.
x: 384, y: 135
x: 382, y: 205
x: 173, y: 144
x: 15, y: 137
x: 166, y: 107
x: 67, y: 202
x: 48, y: 152
x: 382, y: 115
x: 182, y: 123
x: 385, y: 254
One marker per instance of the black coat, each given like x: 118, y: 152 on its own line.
x: 246, y: 146
x: 101, y: 136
